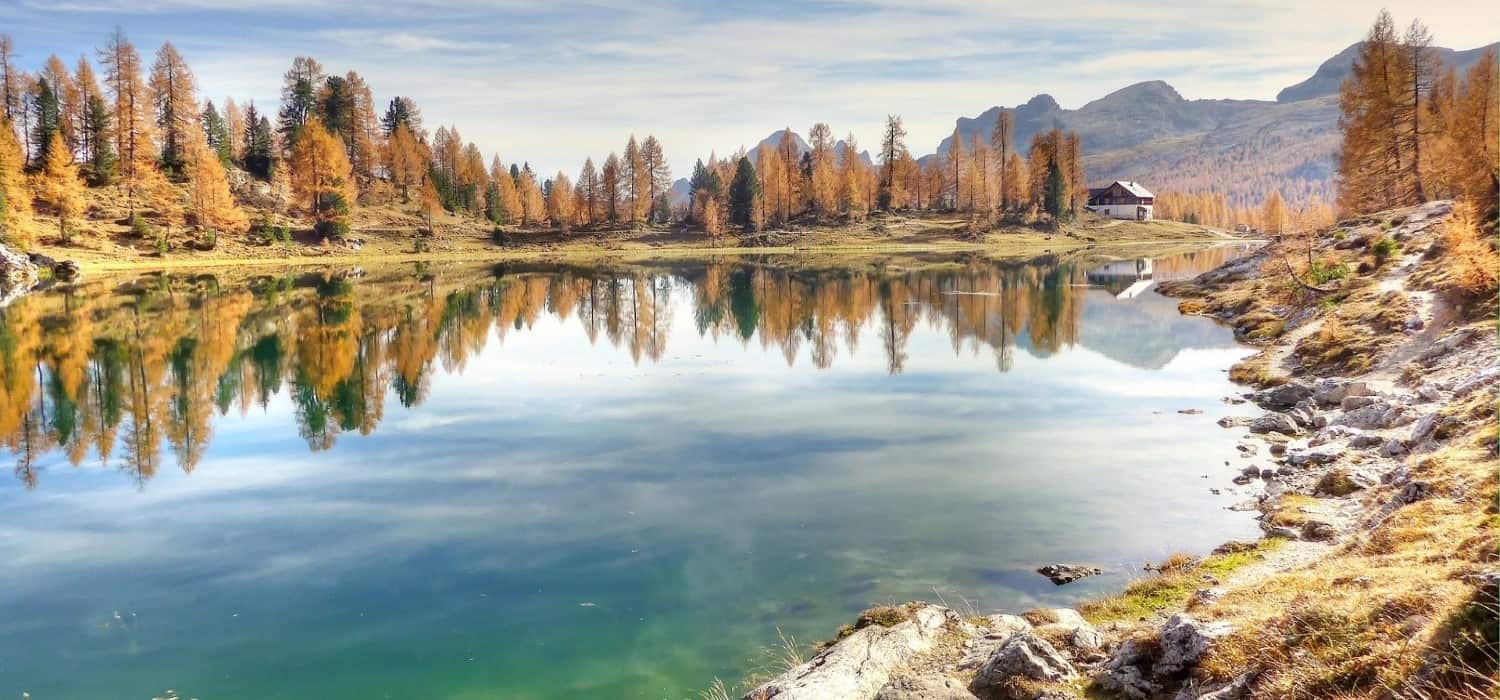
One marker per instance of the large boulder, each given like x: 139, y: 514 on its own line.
x: 1060, y: 574
x: 998, y: 629
x: 924, y: 688
x: 1283, y: 397
x: 860, y: 665
x: 1274, y: 423
x: 18, y: 274
x: 1184, y: 640
x: 1023, y: 656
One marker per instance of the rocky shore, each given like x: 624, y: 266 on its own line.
x: 1369, y: 455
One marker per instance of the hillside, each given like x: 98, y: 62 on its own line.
x: 1148, y: 132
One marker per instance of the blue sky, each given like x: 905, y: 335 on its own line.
x: 551, y: 83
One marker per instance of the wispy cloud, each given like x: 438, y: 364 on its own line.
x: 557, y: 82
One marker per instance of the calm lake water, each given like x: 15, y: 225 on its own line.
x: 527, y: 481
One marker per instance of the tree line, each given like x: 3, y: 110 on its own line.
x: 183, y: 163
x: 1414, y: 130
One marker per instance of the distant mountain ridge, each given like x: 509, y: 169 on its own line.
x: 1150, y: 133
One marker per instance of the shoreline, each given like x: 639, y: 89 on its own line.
x: 1353, y: 449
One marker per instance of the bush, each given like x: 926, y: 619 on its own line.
x: 161, y: 244
x: 1383, y: 249
x: 139, y: 228
x: 1325, y: 271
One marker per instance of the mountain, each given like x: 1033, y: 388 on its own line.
x: 1244, y: 148
x: 1329, y: 76
x: 839, y: 147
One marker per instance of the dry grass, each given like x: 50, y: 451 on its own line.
x: 1473, y: 264
x: 1175, y: 580
x: 1256, y: 371
x: 1376, y: 617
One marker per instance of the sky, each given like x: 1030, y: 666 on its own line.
x: 552, y: 82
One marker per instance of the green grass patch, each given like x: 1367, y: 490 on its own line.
x: 1171, y: 589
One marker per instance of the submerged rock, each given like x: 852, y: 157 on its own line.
x: 1067, y: 573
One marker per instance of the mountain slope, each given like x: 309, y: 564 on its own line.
x: 1329, y: 76
x: 1243, y: 148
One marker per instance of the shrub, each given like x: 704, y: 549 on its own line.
x: 139, y: 228
x: 1383, y: 249
x: 1325, y: 271
x: 1475, y: 263
x: 161, y: 244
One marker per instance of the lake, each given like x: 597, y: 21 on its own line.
x: 547, y: 481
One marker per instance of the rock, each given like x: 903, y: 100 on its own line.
x: 40, y: 260
x: 1235, y: 421
x: 17, y: 275
x: 1412, y: 492
x: 1429, y: 393
x: 1184, y: 640
x: 1280, y: 398
x: 1236, y: 689
x: 1396, y: 477
x: 1205, y: 596
x: 1126, y: 672
x: 1332, y: 392
x: 1304, y: 414
x: 1317, y: 531
x: 1251, y: 470
x: 1393, y: 447
x: 1071, y: 627
x: 1235, y: 547
x: 1278, y: 448
x: 1274, y: 423
x: 1285, y: 470
x: 1067, y: 573
x: 1364, y: 440
x: 1268, y: 474
x: 66, y: 271
x: 924, y: 688
x: 1425, y: 427
x: 1367, y: 417
x: 1352, y: 402
x: 861, y: 664
x: 1282, y: 532
x: 1478, y: 381
x: 1323, y: 454
x: 1396, y: 416
x: 1024, y: 655
x: 1001, y: 629
x: 1190, y: 411
x: 1247, y: 448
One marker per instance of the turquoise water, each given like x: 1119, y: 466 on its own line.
x: 548, y: 482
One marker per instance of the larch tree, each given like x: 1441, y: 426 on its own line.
x: 133, y: 132
x: 852, y: 180
x: 94, y: 146
x: 15, y: 195
x: 790, y: 156
x: 633, y: 174
x: 658, y: 177
x: 560, y: 203
x: 609, y: 186
x: 177, y: 112
x: 70, y: 110
x: 1273, y: 213
x: 773, y: 185
x: 1372, y: 170
x: 1003, y: 140
x: 234, y: 120
x: 505, y: 190
x: 533, y: 206
x: 1421, y: 66
x: 892, y: 149
x: 59, y: 187
x: 824, y: 176
x: 588, y: 184
x: 405, y: 161
x: 956, y: 160
x: 209, y: 201
x: 10, y: 82
x: 322, y: 179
